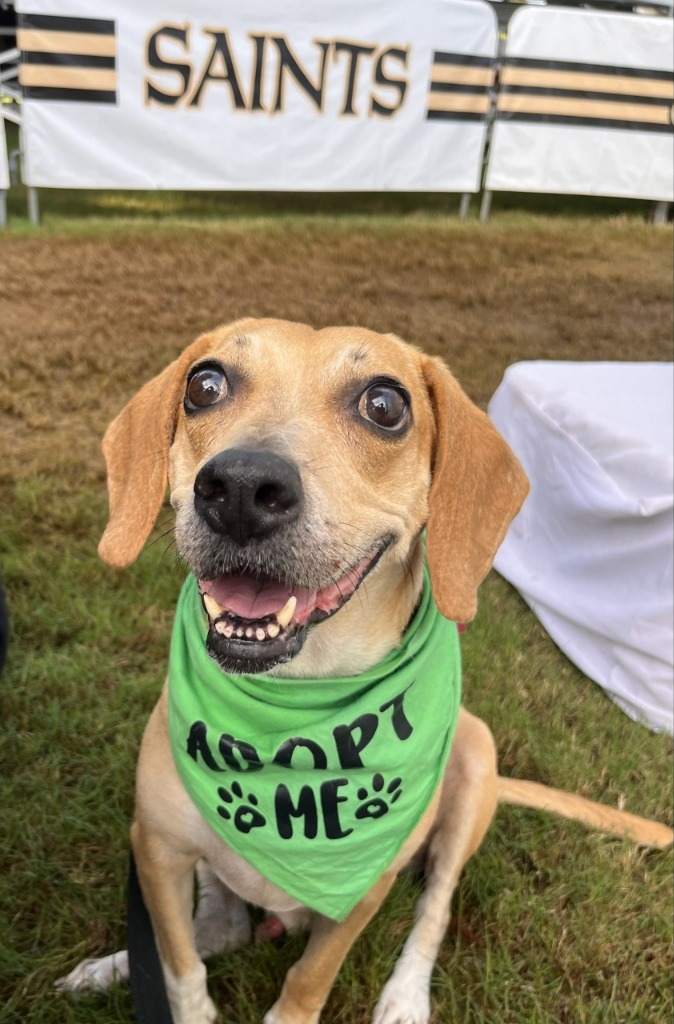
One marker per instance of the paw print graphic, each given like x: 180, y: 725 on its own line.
x: 246, y: 815
x: 376, y: 806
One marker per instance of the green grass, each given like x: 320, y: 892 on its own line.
x: 553, y: 923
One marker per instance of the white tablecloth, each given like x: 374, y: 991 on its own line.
x: 592, y: 550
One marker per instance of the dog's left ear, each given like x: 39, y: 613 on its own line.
x: 477, y: 488
x: 136, y: 449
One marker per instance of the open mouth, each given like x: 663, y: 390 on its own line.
x: 256, y: 623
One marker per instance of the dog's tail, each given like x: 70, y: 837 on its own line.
x: 567, y: 805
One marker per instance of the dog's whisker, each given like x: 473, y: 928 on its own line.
x: 166, y: 550
x: 163, y: 520
x: 161, y: 536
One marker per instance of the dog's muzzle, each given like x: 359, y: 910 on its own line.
x: 252, y: 500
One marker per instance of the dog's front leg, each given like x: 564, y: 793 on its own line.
x: 467, y: 806
x: 166, y: 878
x: 308, y: 982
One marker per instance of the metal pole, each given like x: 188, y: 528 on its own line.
x: 464, y: 205
x: 33, y: 205
x: 660, y: 211
x: 3, y: 208
x: 485, y: 206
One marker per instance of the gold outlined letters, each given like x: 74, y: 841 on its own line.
x: 176, y: 77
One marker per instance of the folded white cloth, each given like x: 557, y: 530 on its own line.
x: 592, y: 550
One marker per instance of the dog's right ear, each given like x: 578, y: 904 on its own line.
x: 136, y: 449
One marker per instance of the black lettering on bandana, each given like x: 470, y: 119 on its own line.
x: 197, y: 744
x: 348, y: 750
x: 284, y: 754
x: 329, y: 802
x: 229, y: 747
x: 286, y: 809
x: 399, y: 720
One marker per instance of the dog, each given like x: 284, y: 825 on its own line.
x: 324, y: 483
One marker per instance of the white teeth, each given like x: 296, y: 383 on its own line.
x: 263, y: 631
x: 285, y: 615
x: 212, y: 606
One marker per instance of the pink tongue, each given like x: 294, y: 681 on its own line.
x: 248, y: 598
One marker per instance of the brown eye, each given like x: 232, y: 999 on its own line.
x: 205, y: 387
x: 385, y: 406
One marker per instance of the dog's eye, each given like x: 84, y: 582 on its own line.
x: 205, y: 387
x: 385, y: 405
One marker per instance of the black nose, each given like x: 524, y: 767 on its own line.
x: 246, y: 493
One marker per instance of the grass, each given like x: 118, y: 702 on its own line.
x: 553, y: 924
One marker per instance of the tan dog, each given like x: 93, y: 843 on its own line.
x: 316, y: 458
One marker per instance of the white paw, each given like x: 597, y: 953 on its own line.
x: 273, y: 1017
x: 221, y: 920
x: 95, y: 975
x: 219, y: 928
x: 189, y: 999
x: 403, y: 1003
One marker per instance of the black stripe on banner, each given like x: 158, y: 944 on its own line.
x: 581, y: 94
x: 42, y: 92
x: 452, y: 115
x: 52, y: 23
x: 588, y: 122
x: 596, y: 69
x: 471, y: 90
x: 467, y: 59
x: 67, y: 60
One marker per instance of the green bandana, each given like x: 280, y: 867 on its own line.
x: 317, y: 783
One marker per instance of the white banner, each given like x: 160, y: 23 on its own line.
x: 585, y: 105
x: 224, y: 95
x: 4, y: 167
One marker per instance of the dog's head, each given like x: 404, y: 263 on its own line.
x: 302, y: 464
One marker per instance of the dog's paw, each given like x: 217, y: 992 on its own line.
x: 271, y: 1017
x: 274, y: 1016
x: 95, y: 975
x: 222, y: 926
x: 221, y: 920
x: 403, y: 1003
x: 215, y: 934
x: 189, y: 999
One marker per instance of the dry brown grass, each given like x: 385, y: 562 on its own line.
x: 85, y: 320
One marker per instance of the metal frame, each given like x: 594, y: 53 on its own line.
x: 10, y: 110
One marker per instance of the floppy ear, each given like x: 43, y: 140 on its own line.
x: 477, y: 488
x: 136, y: 449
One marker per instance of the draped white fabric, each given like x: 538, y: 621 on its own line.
x: 592, y: 550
